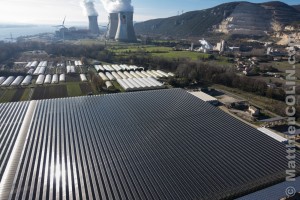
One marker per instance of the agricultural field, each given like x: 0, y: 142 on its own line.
x: 7, y: 95
x: 182, y: 54
x: 135, y: 49
x: 72, y: 78
x: 86, y: 88
x: 73, y: 90
x: 69, y: 89
x: 164, y: 52
x: 27, y: 94
x: 18, y: 95
x: 49, y: 92
x: 14, y: 94
x: 1, y: 93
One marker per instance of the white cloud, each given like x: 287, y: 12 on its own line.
x: 53, y: 11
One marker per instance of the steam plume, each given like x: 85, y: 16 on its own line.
x: 115, y: 6
x: 89, y: 7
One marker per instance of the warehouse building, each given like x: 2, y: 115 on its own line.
x: 17, y: 81
x: 54, y: 79
x: 83, y: 78
x: 163, y: 144
x: 8, y: 81
x: 62, y: 78
x: 205, y: 97
x: 40, y: 80
x: 27, y: 80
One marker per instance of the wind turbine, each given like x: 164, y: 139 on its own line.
x: 62, y: 27
x: 11, y: 38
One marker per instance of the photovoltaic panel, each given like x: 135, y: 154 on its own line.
x: 164, y: 144
x: 11, y: 118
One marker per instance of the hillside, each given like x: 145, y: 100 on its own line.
x: 230, y: 18
x: 297, y: 7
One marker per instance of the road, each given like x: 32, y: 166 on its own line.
x: 243, y: 99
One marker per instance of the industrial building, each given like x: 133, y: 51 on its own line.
x: 163, y: 144
x: 130, y: 79
x: 112, y: 26
x: 71, y: 69
x: 83, y: 78
x: 48, y: 79
x: 17, y: 81
x: 54, y: 79
x: 27, y: 80
x: 40, y: 79
x: 205, y: 97
x: 8, y: 81
x: 31, y: 71
x: 62, y: 78
x: 78, y: 63
x: 272, y: 134
x: 109, y: 85
x: 135, y: 84
x: 120, y: 27
x: 125, y: 31
x: 93, y: 25
x: 103, y: 77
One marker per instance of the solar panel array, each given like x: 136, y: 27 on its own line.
x: 275, y: 192
x: 164, y: 144
x: 11, y: 118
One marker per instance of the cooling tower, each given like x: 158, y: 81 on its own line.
x: 93, y: 25
x: 125, y: 30
x: 112, y: 26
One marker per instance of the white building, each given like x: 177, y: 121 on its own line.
x: 205, y: 97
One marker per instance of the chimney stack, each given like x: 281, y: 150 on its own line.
x: 125, y: 31
x: 112, y: 26
x: 93, y: 25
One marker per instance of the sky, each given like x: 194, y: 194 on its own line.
x: 53, y: 11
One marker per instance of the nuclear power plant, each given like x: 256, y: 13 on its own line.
x: 125, y: 31
x: 93, y: 25
x: 120, y: 27
x: 112, y: 26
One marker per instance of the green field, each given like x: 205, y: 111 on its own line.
x: 25, y: 96
x: 182, y: 54
x: 74, y: 89
x: 164, y: 52
x: 7, y: 95
x: 136, y: 49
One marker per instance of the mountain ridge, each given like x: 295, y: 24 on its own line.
x: 297, y: 7
x: 229, y: 18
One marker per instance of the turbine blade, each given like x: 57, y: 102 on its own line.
x: 64, y: 21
